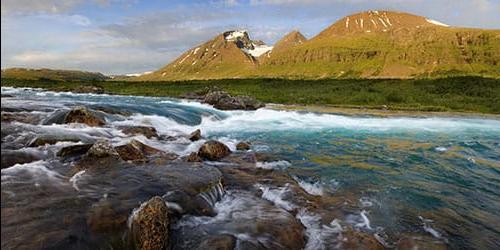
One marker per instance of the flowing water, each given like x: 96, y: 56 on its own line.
x: 433, y: 176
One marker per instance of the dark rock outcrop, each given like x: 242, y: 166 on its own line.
x: 12, y: 157
x: 224, y: 101
x: 150, y: 225
x: 148, y: 132
x: 102, y: 149
x: 193, y: 157
x: 129, y: 152
x: 89, y: 89
x: 195, y: 135
x: 218, y: 242
x: 213, y: 150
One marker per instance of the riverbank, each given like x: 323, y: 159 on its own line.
x: 459, y: 94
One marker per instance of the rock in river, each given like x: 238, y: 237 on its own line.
x: 149, y: 225
x: 83, y: 115
x: 149, y: 132
x: 213, y: 150
x: 195, y: 135
x: 224, y: 101
x: 243, y: 146
x: 102, y: 149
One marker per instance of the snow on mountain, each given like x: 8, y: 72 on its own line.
x: 258, y: 50
x: 234, y: 35
x: 437, y: 23
x: 139, y: 74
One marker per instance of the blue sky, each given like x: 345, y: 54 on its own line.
x: 132, y: 36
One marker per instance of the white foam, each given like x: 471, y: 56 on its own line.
x: 360, y: 221
x: 320, y: 236
x: 75, y: 178
x: 36, y: 170
x: 315, y: 188
x: 273, y: 164
x: 441, y: 149
x: 276, y: 196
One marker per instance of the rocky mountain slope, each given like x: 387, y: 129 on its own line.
x: 372, y: 44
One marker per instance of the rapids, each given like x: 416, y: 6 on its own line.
x: 437, y: 178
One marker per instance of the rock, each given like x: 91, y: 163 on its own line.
x: 145, y: 149
x: 29, y: 118
x: 74, y: 150
x: 360, y: 240
x: 149, y: 132
x: 213, y: 150
x: 102, y: 149
x: 150, y: 225
x: 13, y: 157
x: 224, y: 101
x: 42, y: 140
x: 243, y: 146
x: 129, y: 152
x: 193, y: 157
x: 6, y: 96
x: 106, y: 216
x: 88, y: 89
x: 218, y: 242
x: 85, y: 116
x: 195, y: 135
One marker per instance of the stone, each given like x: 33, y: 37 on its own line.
x: 243, y: 146
x: 129, y: 152
x: 102, y: 149
x: 213, y: 150
x: 150, y: 225
x: 85, y: 116
x: 43, y: 140
x: 218, y: 242
x: 193, y: 157
x: 195, y: 135
x: 13, y: 157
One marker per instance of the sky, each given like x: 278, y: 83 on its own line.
x: 134, y: 36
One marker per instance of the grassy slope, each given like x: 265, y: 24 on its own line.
x: 471, y: 94
x: 52, y: 74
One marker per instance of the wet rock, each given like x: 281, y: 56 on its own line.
x: 360, y: 240
x: 85, y: 116
x: 6, y: 96
x: 42, y: 140
x: 12, y: 157
x: 148, y: 132
x: 218, y: 242
x: 129, y: 152
x: 20, y: 117
x: 146, y: 149
x: 420, y: 242
x: 106, y: 216
x: 243, y: 146
x: 195, y: 135
x: 193, y: 157
x: 213, y: 150
x: 150, y: 225
x: 102, y: 149
x: 74, y: 150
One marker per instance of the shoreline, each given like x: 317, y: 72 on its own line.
x: 376, y: 112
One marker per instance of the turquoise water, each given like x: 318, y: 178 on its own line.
x: 436, y: 176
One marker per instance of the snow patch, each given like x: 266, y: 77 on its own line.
x: 233, y: 36
x: 196, y: 50
x: 140, y: 74
x: 437, y: 23
x: 258, y: 50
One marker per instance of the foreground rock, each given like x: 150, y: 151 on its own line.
x: 193, y: 157
x: 148, y: 132
x: 77, y: 115
x: 74, y: 150
x: 213, y: 151
x: 137, y: 151
x: 102, y: 149
x: 150, y: 224
x: 243, y: 146
x: 42, y: 140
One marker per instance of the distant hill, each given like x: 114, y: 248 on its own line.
x: 52, y: 74
x: 371, y: 44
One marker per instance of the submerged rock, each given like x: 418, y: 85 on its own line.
x: 193, y: 157
x: 85, y: 116
x: 105, y: 216
x: 213, y: 150
x: 74, y: 150
x: 149, y: 225
x: 218, y: 242
x: 29, y: 118
x: 42, y: 140
x: 243, y: 146
x: 12, y: 157
x: 148, y: 132
x: 195, y: 135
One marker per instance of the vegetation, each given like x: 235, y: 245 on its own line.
x: 468, y: 94
x: 52, y: 74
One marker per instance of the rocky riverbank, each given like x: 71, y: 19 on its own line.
x: 111, y: 184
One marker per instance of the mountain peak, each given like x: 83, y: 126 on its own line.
x: 289, y: 40
x: 375, y: 21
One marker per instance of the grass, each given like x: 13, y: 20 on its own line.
x: 461, y: 94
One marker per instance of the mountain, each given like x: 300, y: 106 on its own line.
x: 371, y: 44
x: 231, y: 54
x: 52, y: 74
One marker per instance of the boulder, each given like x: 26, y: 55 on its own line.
x: 213, y: 150
x: 74, y: 150
x: 6, y: 96
x: 218, y: 242
x: 193, y: 157
x: 129, y: 152
x: 148, y: 132
x: 106, y: 216
x: 85, y: 116
x: 243, y: 146
x: 89, y: 89
x: 102, y: 149
x: 224, y: 101
x: 12, y: 157
x: 195, y: 135
x: 149, y: 225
